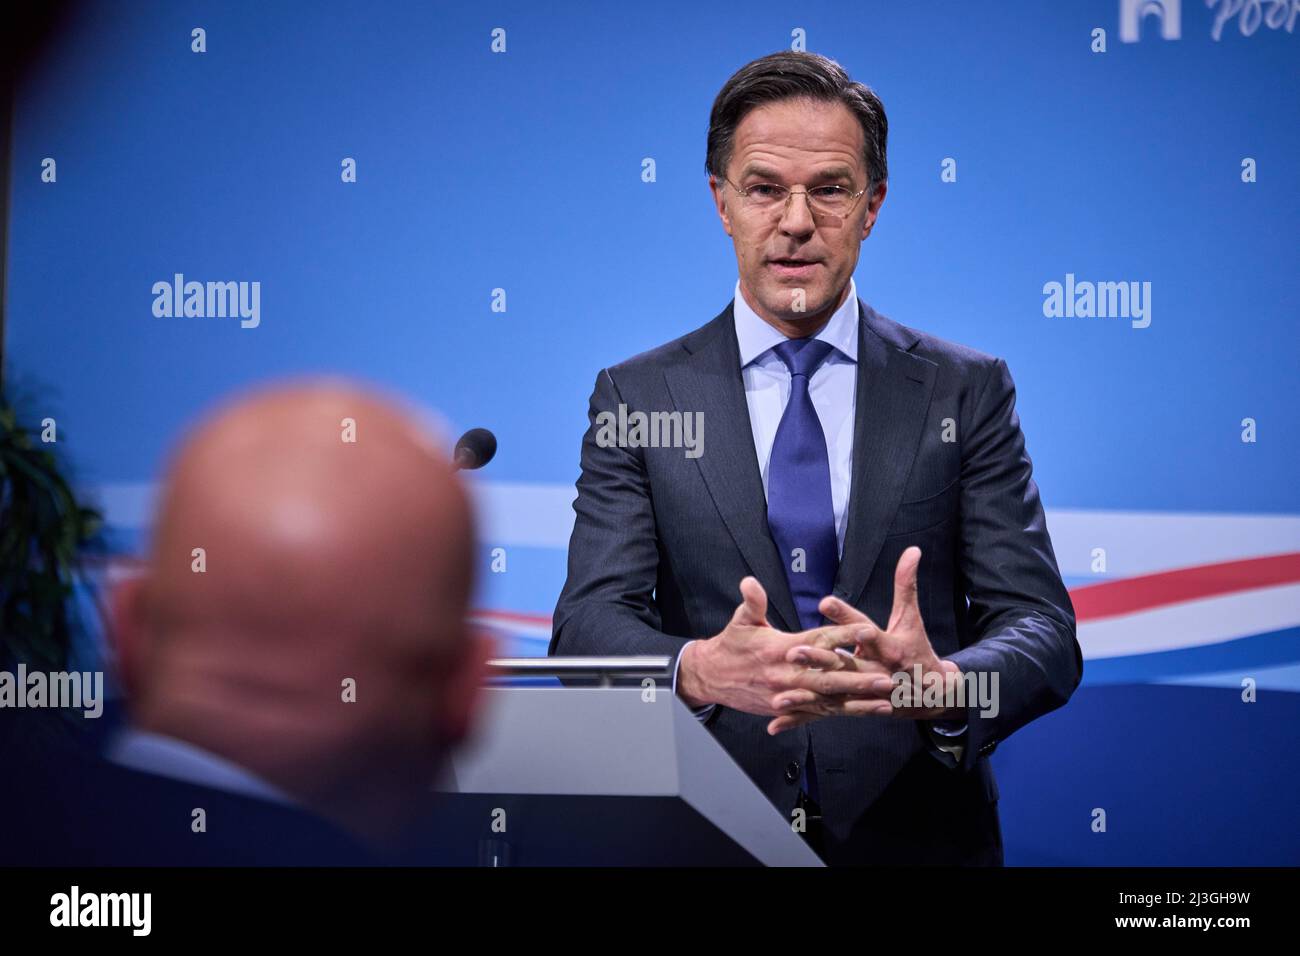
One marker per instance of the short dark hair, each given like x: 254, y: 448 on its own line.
x: 791, y: 74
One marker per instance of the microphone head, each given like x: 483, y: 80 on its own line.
x: 475, y: 449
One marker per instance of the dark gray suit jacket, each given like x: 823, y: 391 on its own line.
x: 661, y: 542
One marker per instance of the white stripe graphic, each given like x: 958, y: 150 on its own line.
x: 511, y: 626
x: 1142, y: 542
x: 1136, y: 542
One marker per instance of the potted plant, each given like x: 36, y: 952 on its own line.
x: 44, y: 532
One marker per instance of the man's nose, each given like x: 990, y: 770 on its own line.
x: 797, y: 219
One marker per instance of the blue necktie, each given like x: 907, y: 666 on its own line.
x: 800, y: 513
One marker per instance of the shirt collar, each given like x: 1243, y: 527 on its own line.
x: 168, y: 757
x: 756, y: 336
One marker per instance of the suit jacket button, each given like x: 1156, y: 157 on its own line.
x: 792, y: 771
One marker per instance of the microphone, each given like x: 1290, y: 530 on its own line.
x: 475, y: 449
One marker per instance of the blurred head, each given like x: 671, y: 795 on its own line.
x: 303, y: 608
x: 796, y: 120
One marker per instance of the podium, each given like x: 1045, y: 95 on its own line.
x: 603, y: 776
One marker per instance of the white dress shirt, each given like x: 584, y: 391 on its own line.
x: 165, y: 756
x: 832, y: 388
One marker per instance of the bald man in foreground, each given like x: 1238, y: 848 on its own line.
x: 295, y: 656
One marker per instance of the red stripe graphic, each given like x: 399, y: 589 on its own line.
x: 1147, y: 591
x: 1094, y: 602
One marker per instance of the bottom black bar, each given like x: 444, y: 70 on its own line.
x: 206, y: 905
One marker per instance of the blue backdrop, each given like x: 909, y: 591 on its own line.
x: 1167, y: 158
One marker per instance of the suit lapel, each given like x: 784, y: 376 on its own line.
x: 893, y: 397
x: 709, y: 381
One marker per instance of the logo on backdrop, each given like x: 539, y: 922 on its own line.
x: 1249, y: 15
x: 1132, y: 12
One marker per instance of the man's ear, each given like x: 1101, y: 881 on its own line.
x: 462, y: 695
x: 126, y: 631
x: 874, y: 201
x: 719, y: 200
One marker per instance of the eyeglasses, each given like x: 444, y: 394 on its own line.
x: 828, y: 201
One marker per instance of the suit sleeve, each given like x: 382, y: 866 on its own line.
x: 606, y: 606
x: 1019, y: 606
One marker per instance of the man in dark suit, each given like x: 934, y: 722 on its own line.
x: 856, y: 471
x: 295, y: 654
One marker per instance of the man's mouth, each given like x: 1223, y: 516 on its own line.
x: 792, y: 267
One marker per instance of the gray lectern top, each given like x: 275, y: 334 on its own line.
x: 609, y: 775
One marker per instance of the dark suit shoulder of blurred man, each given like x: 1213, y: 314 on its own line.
x: 69, y: 806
